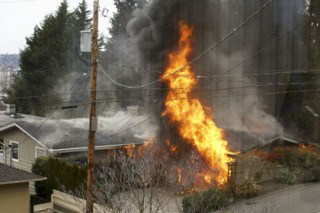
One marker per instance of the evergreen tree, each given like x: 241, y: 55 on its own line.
x: 312, y: 38
x: 49, y: 57
x: 300, y: 116
x: 312, y: 32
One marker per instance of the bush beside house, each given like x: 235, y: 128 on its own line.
x: 59, y: 173
x: 206, y: 201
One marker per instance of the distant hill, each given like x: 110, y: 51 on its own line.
x: 9, y: 60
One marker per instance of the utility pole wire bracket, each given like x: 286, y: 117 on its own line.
x: 94, y: 124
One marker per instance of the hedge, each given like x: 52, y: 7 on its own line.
x: 59, y: 174
x: 204, y: 202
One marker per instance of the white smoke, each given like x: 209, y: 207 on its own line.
x: 120, y: 124
x: 242, y: 107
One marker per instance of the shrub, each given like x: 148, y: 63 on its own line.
x: 315, y: 172
x: 250, y: 166
x: 248, y: 188
x: 287, y: 177
x: 298, y: 157
x: 206, y: 201
x: 59, y: 174
x: 288, y: 157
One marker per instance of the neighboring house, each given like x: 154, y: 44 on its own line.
x: 24, y: 138
x: 241, y: 171
x: 276, y: 142
x: 18, y: 148
x: 14, y: 189
x: 244, y: 140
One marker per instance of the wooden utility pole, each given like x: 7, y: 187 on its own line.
x: 310, y: 48
x: 92, y: 116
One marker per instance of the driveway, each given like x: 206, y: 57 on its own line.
x: 303, y: 198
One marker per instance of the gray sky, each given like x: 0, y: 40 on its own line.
x: 19, y: 17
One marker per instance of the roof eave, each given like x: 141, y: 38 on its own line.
x: 10, y: 125
x: 84, y: 149
x: 23, y: 181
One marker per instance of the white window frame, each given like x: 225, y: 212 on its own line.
x: 13, y: 159
x: 39, y: 148
x: 1, y: 154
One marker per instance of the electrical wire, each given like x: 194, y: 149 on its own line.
x: 196, y: 58
x: 112, y: 125
x: 100, y: 101
x: 202, y: 89
x: 148, y: 118
x: 50, y: 113
x: 200, y: 77
x: 230, y: 69
x: 177, y: 98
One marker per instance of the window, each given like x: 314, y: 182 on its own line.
x: 14, y: 150
x: 40, y: 152
x: 1, y: 151
x: 1, y: 148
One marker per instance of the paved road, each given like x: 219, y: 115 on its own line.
x: 304, y: 198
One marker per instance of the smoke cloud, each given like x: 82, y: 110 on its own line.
x: 242, y: 108
x: 236, y: 94
x: 113, y: 128
x: 228, y: 77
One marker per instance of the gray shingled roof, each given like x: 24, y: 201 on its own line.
x: 10, y: 175
x: 72, y: 133
x: 67, y: 134
x: 5, y: 119
x: 242, y: 140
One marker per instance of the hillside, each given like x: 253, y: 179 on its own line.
x: 9, y: 60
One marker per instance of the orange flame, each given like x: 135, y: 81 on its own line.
x: 172, y: 148
x: 148, y: 142
x: 179, y: 174
x: 129, y: 150
x: 193, y: 120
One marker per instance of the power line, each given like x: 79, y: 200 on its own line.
x: 135, y: 68
x: 197, y: 89
x: 200, y: 77
x: 243, y: 61
x: 103, y: 100
x: 224, y: 74
x: 149, y: 117
x: 42, y: 96
x: 50, y: 113
x: 249, y: 57
x: 177, y: 98
x: 172, y: 73
x: 129, y: 116
x: 196, y: 58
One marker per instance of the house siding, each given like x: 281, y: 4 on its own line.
x: 14, y: 198
x: 27, y: 150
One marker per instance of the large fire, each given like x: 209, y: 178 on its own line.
x: 193, y: 121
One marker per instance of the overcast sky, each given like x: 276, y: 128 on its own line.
x: 19, y: 17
